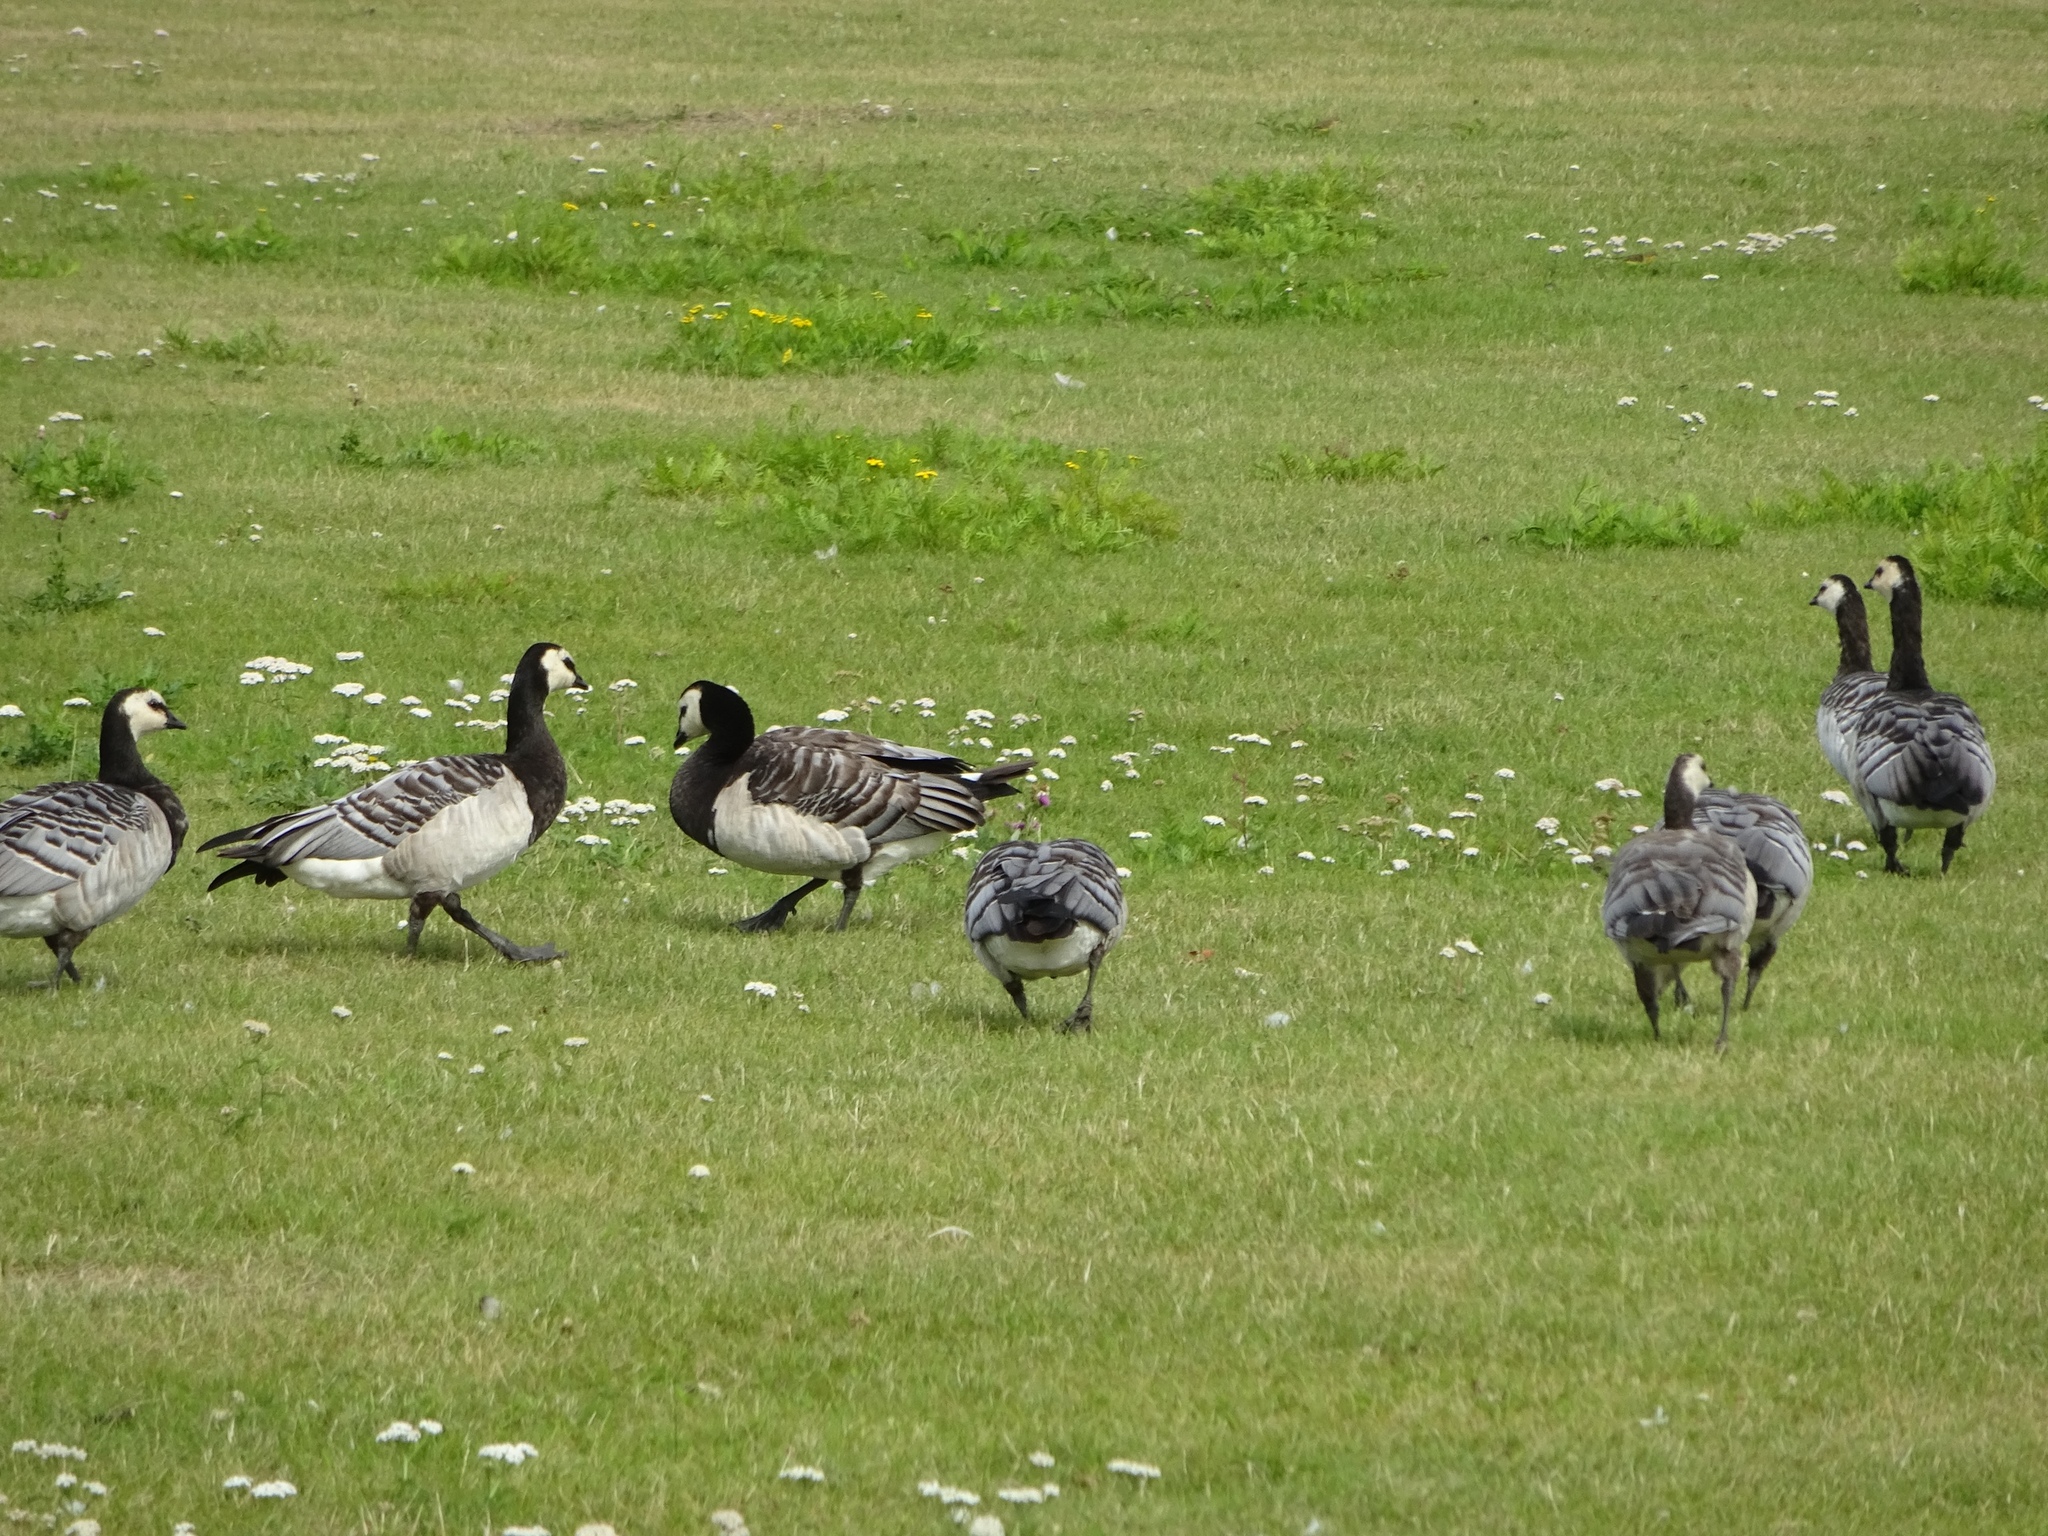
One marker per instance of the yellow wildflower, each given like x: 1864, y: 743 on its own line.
x: 800, y: 322
x: 924, y: 314
x: 927, y: 474
x: 788, y: 353
x: 1072, y: 465
x: 876, y: 464
x: 758, y: 314
x: 570, y: 206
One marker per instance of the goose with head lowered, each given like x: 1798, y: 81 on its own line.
x: 1036, y: 910
x: 1854, y: 684
x: 1921, y: 757
x: 1679, y: 895
x: 427, y: 833
x: 73, y: 857
x: 824, y: 804
x: 1780, y: 860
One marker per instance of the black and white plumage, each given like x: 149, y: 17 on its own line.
x: 1780, y: 861
x: 1680, y: 895
x: 1921, y: 757
x: 1854, y: 684
x: 429, y: 832
x: 75, y: 856
x: 1045, y: 909
x: 829, y: 805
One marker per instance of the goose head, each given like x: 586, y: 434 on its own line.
x: 708, y: 709
x: 1690, y: 773
x: 1834, y: 592
x: 144, y: 710
x: 553, y: 665
x: 1892, y: 573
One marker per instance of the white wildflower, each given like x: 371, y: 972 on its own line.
x: 1144, y: 1471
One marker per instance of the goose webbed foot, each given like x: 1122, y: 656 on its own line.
x: 1083, y: 1016
x: 518, y: 953
x: 771, y: 921
x: 62, y: 945
x: 1889, y: 840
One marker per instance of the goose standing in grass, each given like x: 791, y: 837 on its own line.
x: 1780, y: 861
x: 1921, y: 757
x: 429, y: 832
x: 1854, y: 684
x: 1679, y: 895
x: 1045, y: 909
x: 828, y: 805
x: 74, y: 857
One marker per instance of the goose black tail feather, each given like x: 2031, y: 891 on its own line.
x: 1038, y: 920
x: 239, y: 835
x: 264, y: 874
x: 994, y: 783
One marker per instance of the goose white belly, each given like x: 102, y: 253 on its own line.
x: 1644, y: 952
x: 30, y: 917
x: 464, y: 845
x: 1035, y: 962
x: 1897, y: 815
x: 780, y: 839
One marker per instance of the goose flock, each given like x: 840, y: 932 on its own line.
x: 1723, y: 879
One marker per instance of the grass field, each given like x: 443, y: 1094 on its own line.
x: 1338, y: 1233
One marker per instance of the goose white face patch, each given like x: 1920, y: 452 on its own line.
x: 1888, y: 577
x: 560, y: 669
x: 146, y: 712
x: 1694, y: 774
x: 690, y: 715
x: 1830, y: 595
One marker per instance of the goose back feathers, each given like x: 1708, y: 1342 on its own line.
x: 1680, y: 895
x: 823, y: 804
x: 75, y: 856
x: 431, y: 831
x: 1036, y: 910
x: 1780, y: 861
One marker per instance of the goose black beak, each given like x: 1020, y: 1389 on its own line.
x: 172, y: 722
x: 579, y: 683
x: 681, y: 739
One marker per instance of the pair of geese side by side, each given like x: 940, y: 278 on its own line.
x: 1912, y: 757
x: 837, y: 805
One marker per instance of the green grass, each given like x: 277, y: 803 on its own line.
x: 1429, y: 1256
x: 1594, y: 519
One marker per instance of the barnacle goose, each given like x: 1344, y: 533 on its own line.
x: 829, y: 805
x: 1679, y: 895
x: 1045, y: 909
x: 1780, y: 861
x: 1921, y: 757
x: 429, y: 832
x: 76, y: 856
x: 1854, y: 684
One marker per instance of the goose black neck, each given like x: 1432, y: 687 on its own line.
x: 1909, y: 667
x: 729, y: 724
x: 526, y: 721
x: 120, y: 758
x: 1852, y: 625
x: 1679, y: 800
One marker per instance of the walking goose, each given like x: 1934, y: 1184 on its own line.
x: 1679, y: 895
x: 1921, y: 757
x: 1854, y: 684
x: 829, y: 805
x: 76, y: 856
x: 429, y: 832
x: 1780, y: 861
x: 1045, y: 909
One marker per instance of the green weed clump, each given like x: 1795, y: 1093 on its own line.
x: 1285, y: 214
x: 254, y: 345
x: 257, y: 240
x: 991, y: 248
x: 942, y: 489
x: 59, y: 595
x: 438, y: 448
x: 95, y: 469
x: 1982, y: 528
x: 1971, y: 258
x: 13, y: 264
x: 41, y: 747
x: 1594, y: 519
x: 115, y: 176
x: 836, y: 337
x: 1345, y: 466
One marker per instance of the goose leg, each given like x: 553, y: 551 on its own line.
x: 1950, y: 842
x: 773, y: 918
x: 1016, y: 990
x: 1680, y: 998
x: 451, y: 903
x: 1758, y: 959
x: 1647, y: 989
x: 416, y: 919
x: 1727, y: 965
x: 850, y: 883
x: 1083, y: 1017
x: 62, y: 945
x: 1888, y: 837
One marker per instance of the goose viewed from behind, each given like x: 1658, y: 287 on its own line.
x: 75, y: 856
x: 1921, y: 757
x: 1780, y: 860
x: 828, y: 805
x: 1854, y: 684
x: 1036, y: 910
x: 429, y: 832
x: 1680, y: 895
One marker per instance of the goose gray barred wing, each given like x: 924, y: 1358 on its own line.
x: 1768, y: 832
x: 56, y: 834
x: 1071, y: 876
x: 1674, y: 887
x: 1842, y: 704
x: 854, y: 790
x: 368, y: 822
x: 1925, y: 750
x: 894, y: 753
